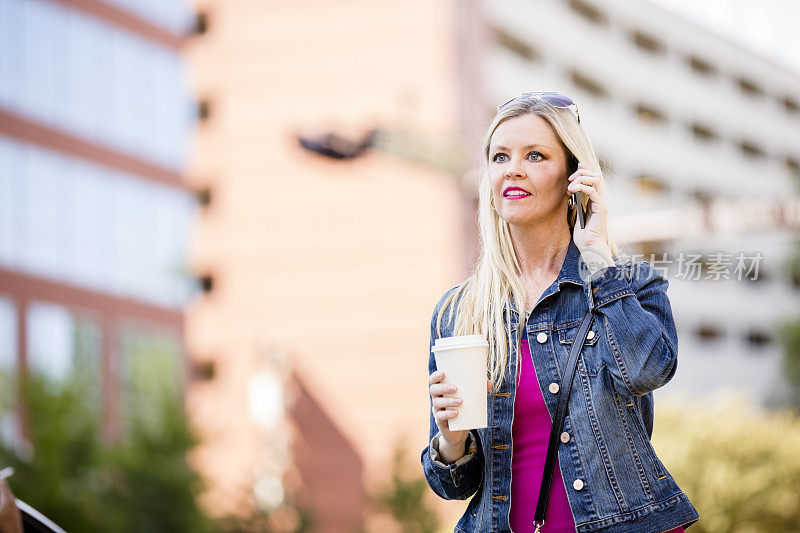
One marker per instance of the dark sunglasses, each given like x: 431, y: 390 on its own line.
x: 552, y: 98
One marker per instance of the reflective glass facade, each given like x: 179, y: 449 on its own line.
x: 173, y: 16
x: 73, y: 221
x: 150, y: 373
x: 89, y: 253
x: 67, y: 70
x: 8, y: 334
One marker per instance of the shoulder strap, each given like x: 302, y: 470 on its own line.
x: 558, y: 421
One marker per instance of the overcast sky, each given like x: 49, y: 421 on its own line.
x: 768, y: 27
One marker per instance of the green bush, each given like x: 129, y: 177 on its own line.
x: 142, y: 484
x: 738, y: 464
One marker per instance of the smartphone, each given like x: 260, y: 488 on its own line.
x: 576, y: 199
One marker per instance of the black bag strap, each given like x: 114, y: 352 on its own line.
x: 558, y: 421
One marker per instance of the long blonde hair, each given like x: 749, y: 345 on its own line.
x: 495, y: 280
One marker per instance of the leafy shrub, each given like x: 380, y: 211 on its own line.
x: 738, y: 464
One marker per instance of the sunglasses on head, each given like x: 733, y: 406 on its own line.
x: 551, y: 97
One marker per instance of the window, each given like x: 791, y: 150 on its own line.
x: 175, y: 17
x: 749, y: 87
x: 758, y: 338
x: 203, y: 110
x: 649, y: 114
x: 588, y: 11
x: 204, y: 196
x: 8, y: 339
x: 790, y: 104
x: 701, y: 66
x: 647, y: 42
x: 587, y: 84
x: 703, y: 132
x: 151, y: 376
x: 68, y: 70
x: 43, y: 213
x: 13, y: 188
x: 750, y: 149
x: 701, y: 196
x: 69, y: 220
x: 12, y: 61
x: 519, y: 47
x: 42, y: 37
x: 206, y: 283
x: 792, y: 165
x: 707, y: 332
x: 204, y: 371
x: 9, y: 423
x: 66, y: 347
x: 200, y: 23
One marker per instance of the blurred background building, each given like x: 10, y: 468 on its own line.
x: 706, y: 170
x: 95, y: 214
x: 257, y: 204
x: 320, y: 272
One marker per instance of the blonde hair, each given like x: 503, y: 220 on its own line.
x: 495, y: 279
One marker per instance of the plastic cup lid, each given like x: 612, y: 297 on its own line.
x: 460, y: 341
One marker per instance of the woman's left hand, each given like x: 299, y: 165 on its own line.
x: 592, y: 238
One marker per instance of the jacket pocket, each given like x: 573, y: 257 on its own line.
x: 590, y: 362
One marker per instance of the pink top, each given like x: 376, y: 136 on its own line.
x: 531, y: 430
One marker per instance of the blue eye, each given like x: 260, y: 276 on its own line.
x: 498, y: 154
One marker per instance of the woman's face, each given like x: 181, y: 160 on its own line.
x: 525, y: 154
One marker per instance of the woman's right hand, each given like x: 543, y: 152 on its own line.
x: 446, y: 407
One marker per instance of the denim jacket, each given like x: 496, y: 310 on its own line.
x: 614, y: 481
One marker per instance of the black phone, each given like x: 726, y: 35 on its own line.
x: 576, y: 199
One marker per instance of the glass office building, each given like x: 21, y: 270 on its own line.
x: 95, y: 119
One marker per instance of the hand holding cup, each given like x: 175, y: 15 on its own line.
x: 446, y: 407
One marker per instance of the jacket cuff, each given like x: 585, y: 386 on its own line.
x: 457, y: 470
x: 609, y: 284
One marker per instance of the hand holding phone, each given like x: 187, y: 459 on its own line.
x: 576, y: 200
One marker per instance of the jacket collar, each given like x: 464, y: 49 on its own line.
x: 570, y: 268
x: 569, y: 273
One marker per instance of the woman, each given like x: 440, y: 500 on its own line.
x: 534, y: 257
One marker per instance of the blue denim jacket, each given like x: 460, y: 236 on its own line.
x: 614, y: 481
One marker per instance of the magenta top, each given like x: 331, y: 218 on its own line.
x: 531, y: 431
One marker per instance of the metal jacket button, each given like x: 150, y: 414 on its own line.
x: 553, y: 388
x: 565, y: 437
x: 590, y: 335
x: 577, y: 484
x: 541, y: 337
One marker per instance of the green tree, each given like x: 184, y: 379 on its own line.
x: 404, y: 496
x: 141, y: 484
x: 62, y: 478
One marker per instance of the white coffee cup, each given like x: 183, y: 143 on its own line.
x: 463, y: 359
